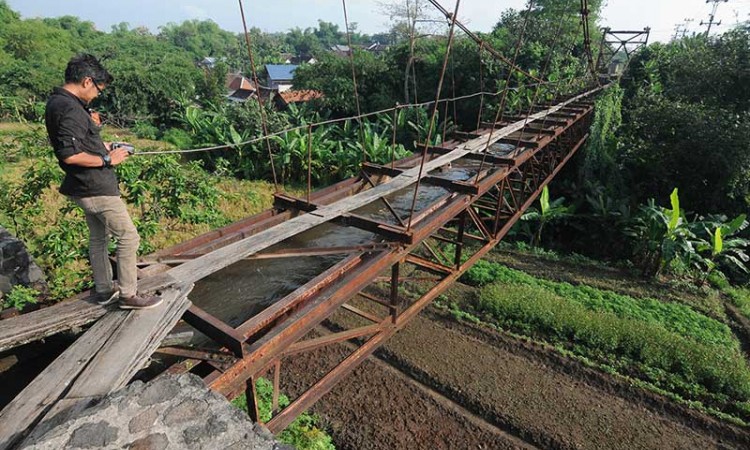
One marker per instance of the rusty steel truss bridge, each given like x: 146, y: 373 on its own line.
x: 420, y: 223
x: 446, y: 236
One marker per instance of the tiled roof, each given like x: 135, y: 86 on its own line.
x: 278, y: 72
x: 236, y: 82
x: 300, y: 96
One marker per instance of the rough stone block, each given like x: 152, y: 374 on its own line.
x: 159, y: 391
x: 157, y: 441
x: 93, y: 435
x: 186, y: 411
x: 143, y: 421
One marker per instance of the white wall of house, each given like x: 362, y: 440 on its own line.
x: 281, y: 86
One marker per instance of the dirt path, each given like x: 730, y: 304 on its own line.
x: 522, y: 396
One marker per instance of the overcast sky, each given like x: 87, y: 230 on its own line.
x: 280, y: 15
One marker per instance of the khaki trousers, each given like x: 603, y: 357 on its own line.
x: 108, y: 217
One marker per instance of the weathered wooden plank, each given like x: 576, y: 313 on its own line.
x: 46, y: 322
x: 49, y: 386
x: 102, y: 360
x: 131, y: 345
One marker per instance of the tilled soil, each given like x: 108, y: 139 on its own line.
x: 519, y: 400
x: 377, y: 407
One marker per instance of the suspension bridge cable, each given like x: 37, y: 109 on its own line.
x: 501, y: 108
x: 260, y: 99
x: 434, y: 112
x: 572, y: 79
x: 335, y: 121
x: 412, y: 64
x: 354, y: 80
x: 545, y: 70
x: 481, y: 85
x: 479, y: 40
x: 587, y: 39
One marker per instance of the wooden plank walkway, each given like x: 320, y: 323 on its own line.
x: 101, y: 361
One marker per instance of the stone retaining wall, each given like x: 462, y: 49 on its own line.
x: 170, y: 412
x: 16, y: 266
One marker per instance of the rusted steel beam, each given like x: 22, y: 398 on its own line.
x: 215, y: 329
x: 491, y: 159
x: 519, y: 143
x: 378, y: 169
x: 300, y: 323
x: 324, y: 341
x: 283, y: 201
x: 377, y: 300
x: 388, y: 231
x: 387, y: 203
x: 363, y: 314
x: 217, y: 359
x: 458, y: 186
x: 430, y: 266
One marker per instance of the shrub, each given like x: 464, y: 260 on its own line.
x: 674, y: 317
x: 177, y: 137
x: 145, y: 130
x: 19, y: 297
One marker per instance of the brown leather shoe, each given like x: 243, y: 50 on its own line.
x: 140, y: 302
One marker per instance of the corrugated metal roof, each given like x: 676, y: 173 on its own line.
x: 279, y: 72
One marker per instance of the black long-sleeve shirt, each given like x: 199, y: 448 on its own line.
x: 71, y: 130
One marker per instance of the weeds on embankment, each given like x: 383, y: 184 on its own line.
x: 303, y: 434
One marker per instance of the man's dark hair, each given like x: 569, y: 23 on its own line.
x: 84, y: 66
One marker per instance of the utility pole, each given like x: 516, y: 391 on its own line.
x: 681, y: 29
x: 686, y: 27
x: 712, y: 16
x: 677, y: 31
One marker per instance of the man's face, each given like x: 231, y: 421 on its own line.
x: 91, y: 89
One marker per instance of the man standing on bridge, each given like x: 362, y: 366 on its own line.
x: 90, y: 181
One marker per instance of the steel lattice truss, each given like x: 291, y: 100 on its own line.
x: 449, y: 235
x: 619, y: 43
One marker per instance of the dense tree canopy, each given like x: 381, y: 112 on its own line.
x: 687, y: 122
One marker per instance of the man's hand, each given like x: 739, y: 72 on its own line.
x: 118, y: 155
x: 95, y: 117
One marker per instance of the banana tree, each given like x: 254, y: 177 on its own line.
x: 661, y: 236
x: 723, y: 247
x: 292, y: 156
x: 548, y: 212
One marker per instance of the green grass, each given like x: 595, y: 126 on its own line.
x: 303, y: 433
x: 673, y: 317
x: 740, y: 297
x: 623, y: 280
x: 667, y: 346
